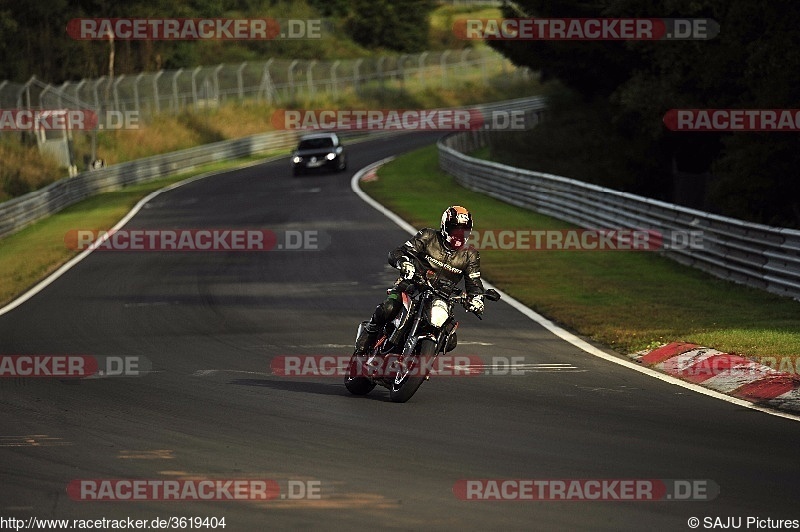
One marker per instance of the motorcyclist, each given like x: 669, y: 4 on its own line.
x: 446, y: 254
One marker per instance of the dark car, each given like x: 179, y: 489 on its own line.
x: 319, y: 151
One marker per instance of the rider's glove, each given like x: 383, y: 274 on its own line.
x: 408, y: 269
x: 476, y: 304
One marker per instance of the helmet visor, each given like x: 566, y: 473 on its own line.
x: 457, y: 235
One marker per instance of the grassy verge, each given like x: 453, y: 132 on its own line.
x: 39, y: 249
x: 626, y: 300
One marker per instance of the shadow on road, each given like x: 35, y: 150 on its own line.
x: 320, y: 388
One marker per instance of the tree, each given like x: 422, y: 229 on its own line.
x: 400, y: 25
x: 753, y: 63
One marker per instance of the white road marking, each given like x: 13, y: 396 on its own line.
x: 32, y: 440
x: 50, y: 279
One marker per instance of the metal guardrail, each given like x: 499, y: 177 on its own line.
x: 19, y: 212
x: 24, y: 210
x: 756, y: 255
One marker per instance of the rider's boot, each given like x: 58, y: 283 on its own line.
x: 366, y: 341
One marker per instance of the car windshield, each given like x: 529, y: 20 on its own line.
x: 315, y: 144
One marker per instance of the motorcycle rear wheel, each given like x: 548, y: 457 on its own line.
x: 354, y: 383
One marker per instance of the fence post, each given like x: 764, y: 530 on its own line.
x: 216, y: 82
x: 61, y: 90
x: 175, y: 105
x: 240, y: 80
x: 25, y: 89
x: 381, y: 59
x: 266, y: 81
x: 155, y: 90
x: 310, y: 77
x: 78, y: 88
x: 421, y: 67
x: 194, y: 86
x: 116, y: 92
x: 356, y: 76
x: 290, y: 76
x: 96, y: 95
x: 401, y: 69
x: 334, y: 84
x: 443, y: 66
x: 137, y: 103
x: 41, y: 95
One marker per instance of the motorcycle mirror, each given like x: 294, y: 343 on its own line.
x: 492, y: 295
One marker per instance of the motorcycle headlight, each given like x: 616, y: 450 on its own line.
x: 439, y: 312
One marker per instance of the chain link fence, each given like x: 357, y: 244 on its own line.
x: 275, y: 81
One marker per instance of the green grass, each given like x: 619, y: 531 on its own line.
x: 626, y: 300
x: 39, y: 249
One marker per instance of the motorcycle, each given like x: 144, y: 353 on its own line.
x: 405, y: 351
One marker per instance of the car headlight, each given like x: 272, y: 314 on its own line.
x: 296, y: 159
x: 331, y: 156
x: 439, y: 313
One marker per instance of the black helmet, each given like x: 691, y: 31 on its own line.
x: 456, y: 226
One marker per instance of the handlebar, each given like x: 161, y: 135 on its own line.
x: 456, y: 296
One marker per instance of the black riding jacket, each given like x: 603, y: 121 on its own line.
x: 428, y: 244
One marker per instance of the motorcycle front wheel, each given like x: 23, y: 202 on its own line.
x: 406, y: 384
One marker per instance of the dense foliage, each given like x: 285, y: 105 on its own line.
x: 754, y: 63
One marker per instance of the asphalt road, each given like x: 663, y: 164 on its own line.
x: 210, y: 323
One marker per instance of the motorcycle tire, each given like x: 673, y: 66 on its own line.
x: 402, y: 390
x: 354, y: 383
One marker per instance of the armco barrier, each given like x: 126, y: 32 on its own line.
x: 756, y: 255
x: 24, y: 210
